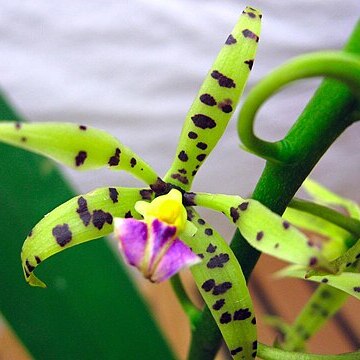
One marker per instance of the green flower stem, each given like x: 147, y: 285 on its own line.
x: 278, y: 184
x: 269, y: 353
x: 338, y: 65
x: 192, y: 312
x: 347, y: 223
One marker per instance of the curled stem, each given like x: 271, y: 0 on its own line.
x: 338, y: 65
x: 269, y: 353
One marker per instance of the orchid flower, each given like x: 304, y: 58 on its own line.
x: 157, y: 228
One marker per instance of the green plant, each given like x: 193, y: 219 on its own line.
x: 151, y: 224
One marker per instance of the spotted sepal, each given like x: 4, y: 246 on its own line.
x: 223, y: 287
x: 77, y: 146
x: 83, y: 218
x: 348, y: 282
x: 323, y: 304
x: 217, y: 99
x: 334, y: 238
x: 265, y: 230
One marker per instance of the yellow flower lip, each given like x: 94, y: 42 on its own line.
x: 167, y: 208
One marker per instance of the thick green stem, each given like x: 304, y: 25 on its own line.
x: 326, y: 116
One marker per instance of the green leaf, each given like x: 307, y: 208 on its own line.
x: 83, y: 312
x: 265, y: 230
x: 83, y: 218
x: 222, y: 285
x: 77, y: 146
x: 348, y: 282
x: 216, y: 101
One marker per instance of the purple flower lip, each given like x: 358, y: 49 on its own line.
x: 153, y: 248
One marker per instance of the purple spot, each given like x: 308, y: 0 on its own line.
x: 183, y: 156
x: 225, y: 318
x: 211, y: 248
x: 223, y: 80
x: 259, y: 235
x: 249, y: 34
x: 249, y: 63
x: 207, y: 99
x: 218, y: 261
x: 115, y: 159
x: 203, y: 121
x: 201, y: 157
x: 62, y: 234
x: 208, y: 285
x: 146, y: 194
x: 222, y: 288
x: 218, y: 304
x: 100, y: 217
x: 80, y: 158
x: 192, y: 135
x: 313, y: 261
x: 236, y: 351
x: 82, y: 127
x: 132, y: 162
x: 234, y: 213
x: 201, y: 145
x: 114, y: 195
x: 286, y: 225
x: 243, y: 206
x: 230, y: 40
x: 183, y: 179
x: 83, y: 211
x: 242, y: 314
x: 128, y: 215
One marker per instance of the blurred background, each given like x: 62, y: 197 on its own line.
x: 133, y: 69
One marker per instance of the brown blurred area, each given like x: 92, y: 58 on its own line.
x: 277, y: 297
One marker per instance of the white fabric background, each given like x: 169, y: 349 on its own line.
x: 133, y: 68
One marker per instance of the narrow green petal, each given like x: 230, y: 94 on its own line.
x: 323, y: 304
x: 265, y: 230
x: 348, y: 282
x: 341, y: 263
x: 324, y: 195
x: 83, y: 218
x: 222, y: 285
x: 217, y: 99
x: 271, y: 353
x: 334, y: 237
x: 77, y: 146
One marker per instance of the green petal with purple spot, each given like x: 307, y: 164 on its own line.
x: 77, y: 146
x: 83, y: 218
x: 348, y: 282
x: 265, y: 230
x: 222, y: 285
x: 217, y: 99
